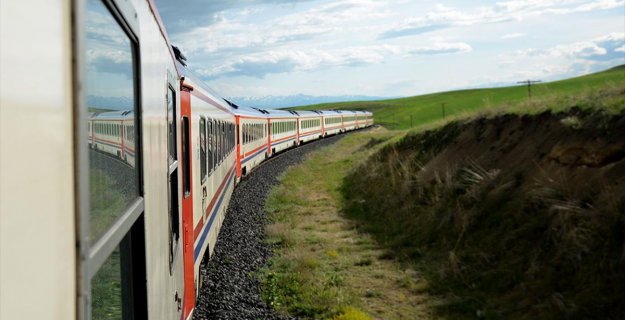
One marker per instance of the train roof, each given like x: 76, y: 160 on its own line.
x: 252, y: 112
x: 308, y: 114
x: 112, y: 115
x: 329, y: 112
x: 197, y: 84
x: 277, y: 113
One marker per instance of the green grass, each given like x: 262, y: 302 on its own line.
x: 410, y: 112
x: 107, y: 203
x: 323, y: 268
x: 106, y: 293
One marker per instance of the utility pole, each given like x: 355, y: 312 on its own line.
x: 529, y: 84
x: 443, y: 108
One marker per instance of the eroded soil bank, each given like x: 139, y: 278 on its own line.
x: 508, y: 217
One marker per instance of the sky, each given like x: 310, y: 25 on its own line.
x: 391, y: 48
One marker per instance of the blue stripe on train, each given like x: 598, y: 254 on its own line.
x: 209, y: 225
x: 248, y: 158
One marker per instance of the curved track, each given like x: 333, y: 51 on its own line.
x: 232, y: 290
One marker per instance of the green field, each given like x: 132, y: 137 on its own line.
x: 405, y: 113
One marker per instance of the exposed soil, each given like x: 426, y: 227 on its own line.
x: 512, y: 216
x: 590, y: 152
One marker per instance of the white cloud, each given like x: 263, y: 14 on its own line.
x: 442, y: 47
x: 446, y: 17
x: 583, y: 49
x: 620, y: 49
x: 564, y: 60
x: 235, y: 34
x: 270, y: 62
x: 512, y: 35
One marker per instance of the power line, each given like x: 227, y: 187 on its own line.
x: 529, y: 84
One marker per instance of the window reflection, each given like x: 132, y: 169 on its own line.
x: 171, y: 125
x: 106, y: 291
x: 112, y: 129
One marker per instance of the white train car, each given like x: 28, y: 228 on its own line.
x: 368, y: 118
x: 309, y: 126
x: 361, y: 119
x: 134, y: 199
x: 332, y: 122
x: 113, y: 133
x: 107, y: 243
x: 349, y: 120
x: 252, y: 138
x: 283, y: 130
x: 208, y: 136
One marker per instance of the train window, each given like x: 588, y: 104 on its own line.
x: 203, y: 149
x: 214, y: 142
x: 209, y: 144
x: 171, y: 125
x: 218, y: 137
x: 110, y: 75
x: 112, y: 266
x: 105, y: 284
x: 186, y: 157
x: 223, y: 141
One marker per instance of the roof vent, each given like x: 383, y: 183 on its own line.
x: 179, y: 56
x: 231, y: 104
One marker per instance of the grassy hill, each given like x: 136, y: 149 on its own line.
x: 508, y: 217
x: 409, y: 112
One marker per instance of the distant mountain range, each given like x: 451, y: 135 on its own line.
x: 275, y: 102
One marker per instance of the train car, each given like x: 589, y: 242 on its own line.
x: 252, y: 138
x: 209, y: 173
x: 134, y: 198
x: 360, y: 119
x: 108, y: 241
x: 369, y: 118
x: 332, y: 122
x: 113, y: 133
x: 282, y: 130
x: 309, y: 126
x: 349, y: 120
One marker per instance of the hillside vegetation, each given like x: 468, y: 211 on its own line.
x: 508, y: 216
x: 410, y: 112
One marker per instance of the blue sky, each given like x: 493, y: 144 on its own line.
x: 391, y: 48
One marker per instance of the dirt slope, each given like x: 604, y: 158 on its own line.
x: 513, y: 217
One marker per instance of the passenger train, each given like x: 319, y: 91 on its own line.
x: 117, y: 162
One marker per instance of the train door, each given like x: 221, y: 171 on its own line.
x: 110, y: 203
x: 176, y: 269
x: 297, y: 130
x: 187, y: 200
x: 238, y: 144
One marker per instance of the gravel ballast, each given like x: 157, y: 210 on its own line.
x: 232, y: 290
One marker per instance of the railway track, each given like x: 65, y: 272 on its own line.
x: 231, y: 289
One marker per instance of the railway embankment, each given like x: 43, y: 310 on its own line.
x: 517, y: 212
x: 508, y: 216
x: 232, y: 288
